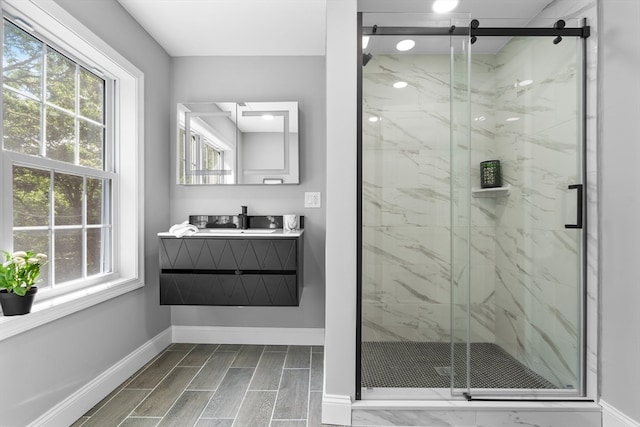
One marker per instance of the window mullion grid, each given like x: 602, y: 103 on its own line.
x: 107, y: 248
x: 21, y: 93
x: 199, y: 156
x: 76, y: 121
x: 108, y: 113
x: 221, y: 178
x: 43, y: 101
x: 52, y: 230
x: 76, y: 160
x: 109, y: 208
x: 84, y: 228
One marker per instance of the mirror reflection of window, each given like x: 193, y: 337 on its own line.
x: 211, y: 159
x: 206, y: 156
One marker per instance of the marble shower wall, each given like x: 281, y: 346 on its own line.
x: 406, y: 202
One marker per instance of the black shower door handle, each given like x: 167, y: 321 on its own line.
x: 578, y: 223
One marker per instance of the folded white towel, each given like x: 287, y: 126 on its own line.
x: 183, y: 229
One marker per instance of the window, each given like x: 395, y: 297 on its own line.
x: 71, y: 160
x: 62, y: 177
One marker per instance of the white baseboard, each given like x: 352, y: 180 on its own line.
x: 247, y: 335
x: 336, y: 409
x: 611, y: 417
x: 73, y: 407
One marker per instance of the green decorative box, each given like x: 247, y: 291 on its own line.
x: 490, y: 174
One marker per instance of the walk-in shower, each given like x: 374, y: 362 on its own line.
x: 463, y: 290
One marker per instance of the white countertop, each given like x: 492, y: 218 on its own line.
x: 235, y: 232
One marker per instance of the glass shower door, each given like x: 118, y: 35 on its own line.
x: 460, y: 181
x: 465, y: 289
x: 405, y: 228
x: 517, y: 250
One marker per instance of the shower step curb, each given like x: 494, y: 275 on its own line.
x: 475, y: 414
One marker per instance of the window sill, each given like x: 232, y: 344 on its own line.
x: 58, y: 307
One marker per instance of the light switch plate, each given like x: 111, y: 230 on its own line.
x: 312, y: 199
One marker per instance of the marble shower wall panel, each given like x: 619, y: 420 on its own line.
x: 483, y: 126
x: 536, y: 294
x: 406, y: 212
x: 482, y: 211
x: 406, y: 200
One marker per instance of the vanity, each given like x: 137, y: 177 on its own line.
x: 224, y: 265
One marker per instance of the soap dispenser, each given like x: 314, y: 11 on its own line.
x: 243, y: 219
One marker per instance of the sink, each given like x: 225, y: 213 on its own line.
x: 233, y: 231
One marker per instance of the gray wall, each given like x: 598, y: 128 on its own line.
x: 66, y: 354
x: 620, y: 204
x: 302, y: 79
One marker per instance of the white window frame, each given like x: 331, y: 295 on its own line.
x: 54, y: 24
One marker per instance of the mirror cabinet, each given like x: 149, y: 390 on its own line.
x: 238, y: 143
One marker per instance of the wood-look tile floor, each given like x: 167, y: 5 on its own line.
x: 225, y: 385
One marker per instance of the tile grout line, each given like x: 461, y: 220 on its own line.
x: 273, y: 410
x: 214, y: 391
x: 309, y: 390
x: 255, y: 369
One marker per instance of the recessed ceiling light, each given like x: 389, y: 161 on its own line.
x: 405, y: 45
x: 444, y: 6
x: 365, y: 41
x: 400, y: 85
x: 512, y: 119
x: 267, y: 116
x: 480, y: 119
x: 374, y: 119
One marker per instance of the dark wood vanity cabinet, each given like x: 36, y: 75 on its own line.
x: 230, y: 271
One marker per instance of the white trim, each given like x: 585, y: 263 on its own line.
x: 336, y: 409
x: 53, y: 309
x: 77, y: 404
x: 612, y: 417
x: 244, y: 335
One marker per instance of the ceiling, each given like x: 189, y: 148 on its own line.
x: 283, y: 27
x: 233, y: 27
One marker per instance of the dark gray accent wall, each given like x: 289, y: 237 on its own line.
x: 61, y: 357
x: 619, y: 204
x: 230, y: 78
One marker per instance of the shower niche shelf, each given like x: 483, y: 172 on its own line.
x: 491, y: 192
